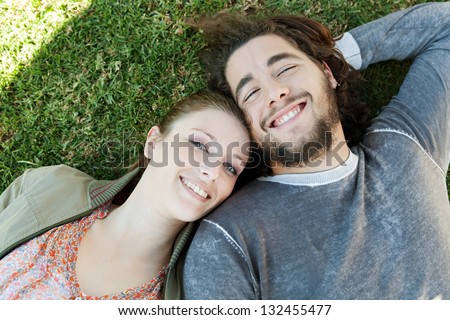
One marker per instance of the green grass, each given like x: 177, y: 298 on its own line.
x: 81, y: 82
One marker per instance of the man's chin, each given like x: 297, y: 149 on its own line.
x: 298, y: 158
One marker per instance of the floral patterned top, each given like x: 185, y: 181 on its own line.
x: 44, y: 267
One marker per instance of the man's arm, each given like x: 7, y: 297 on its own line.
x: 421, y: 107
x: 404, y: 34
x: 216, y: 267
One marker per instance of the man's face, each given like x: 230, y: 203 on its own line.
x: 289, y: 99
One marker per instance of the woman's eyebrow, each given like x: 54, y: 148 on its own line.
x: 206, y: 133
x: 239, y: 157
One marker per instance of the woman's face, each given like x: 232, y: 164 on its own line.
x: 195, y: 165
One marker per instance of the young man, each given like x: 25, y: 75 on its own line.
x: 368, y: 219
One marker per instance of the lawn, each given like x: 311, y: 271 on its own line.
x: 81, y: 82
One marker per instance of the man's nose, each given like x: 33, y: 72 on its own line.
x: 277, y: 92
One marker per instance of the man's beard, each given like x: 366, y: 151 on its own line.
x: 306, y: 149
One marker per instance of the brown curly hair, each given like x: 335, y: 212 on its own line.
x: 225, y: 32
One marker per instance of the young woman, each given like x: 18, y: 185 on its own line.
x: 65, y: 235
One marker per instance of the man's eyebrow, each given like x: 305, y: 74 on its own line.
x: 274, y: 59
x: 242, y: 83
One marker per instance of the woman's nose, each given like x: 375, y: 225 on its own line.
x: 210, y: 169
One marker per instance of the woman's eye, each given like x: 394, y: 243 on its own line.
x: 285, y: 70
x: 199, y: 145
x: 229, y: 167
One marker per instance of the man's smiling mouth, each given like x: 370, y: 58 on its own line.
x: 288, y: 115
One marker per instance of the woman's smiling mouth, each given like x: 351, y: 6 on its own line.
x: 195, y: 188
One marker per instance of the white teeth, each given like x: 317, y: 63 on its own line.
x: 202, y: 193
x: 287, y: 116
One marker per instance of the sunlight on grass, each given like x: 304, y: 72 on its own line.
x: 26, y: 26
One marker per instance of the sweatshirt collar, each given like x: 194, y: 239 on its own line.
x: 317, y: 178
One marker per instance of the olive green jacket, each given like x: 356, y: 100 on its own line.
x: 47, y: 197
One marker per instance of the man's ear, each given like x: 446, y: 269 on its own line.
x: 330, y: 75
x: 153, y: 137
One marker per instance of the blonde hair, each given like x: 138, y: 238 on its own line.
x: 195, y: 103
